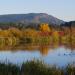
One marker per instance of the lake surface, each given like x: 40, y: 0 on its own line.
x: 53, y: 55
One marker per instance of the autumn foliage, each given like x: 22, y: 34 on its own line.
x: 45, y: 28
x: 45, y: 35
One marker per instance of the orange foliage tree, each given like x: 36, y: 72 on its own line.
x: 45, y: 27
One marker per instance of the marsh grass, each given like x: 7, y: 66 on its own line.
x: 35, y: 68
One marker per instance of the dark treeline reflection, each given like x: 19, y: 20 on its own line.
x: 42, y: 48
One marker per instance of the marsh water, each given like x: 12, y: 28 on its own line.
x: 55, y: 54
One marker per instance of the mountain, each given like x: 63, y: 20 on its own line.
x: 31, y: 18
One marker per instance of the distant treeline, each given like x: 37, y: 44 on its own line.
x: 69, y: 24
x: 6, y: 25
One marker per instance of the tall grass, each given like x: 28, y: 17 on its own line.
x: 35, y: 68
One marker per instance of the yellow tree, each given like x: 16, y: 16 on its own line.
x: 30, y: 34
x: 55, y: 36
x: 45, y: 27
x: 15, y: 32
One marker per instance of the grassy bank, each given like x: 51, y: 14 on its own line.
x: 35, y: 68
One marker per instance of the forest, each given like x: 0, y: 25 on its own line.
x: 12, y: 34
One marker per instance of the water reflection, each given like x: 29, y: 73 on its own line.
x: 54, y: 53
x: 43, y: 49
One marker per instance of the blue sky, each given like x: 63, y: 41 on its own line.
x: 62, y: 9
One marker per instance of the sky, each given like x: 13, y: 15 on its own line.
x: 62, y: 9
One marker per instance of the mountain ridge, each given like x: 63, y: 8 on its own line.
x: 31, y: 18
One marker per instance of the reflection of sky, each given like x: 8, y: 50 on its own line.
x: 18, y: 57
x: 60, y: 56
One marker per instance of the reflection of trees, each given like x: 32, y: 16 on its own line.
x: 44, y: 49
x: 70, y: 46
